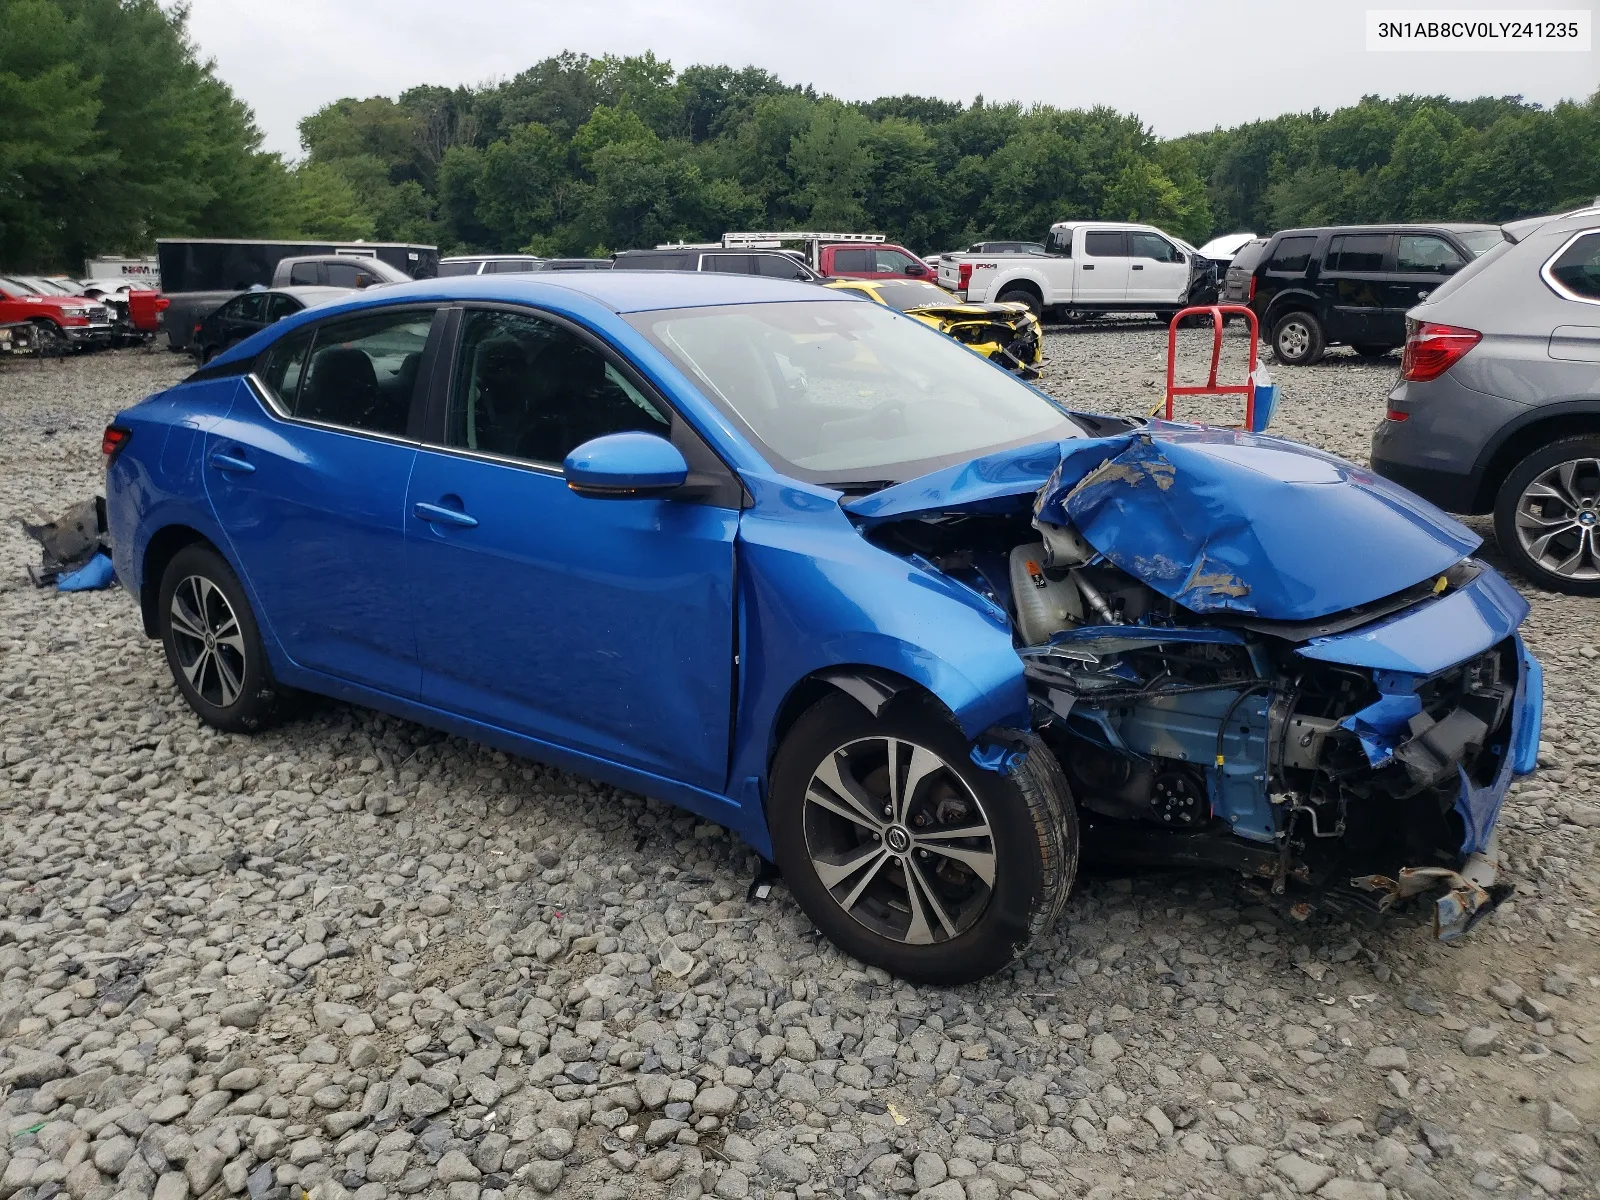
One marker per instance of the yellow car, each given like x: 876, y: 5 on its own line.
x: 1007, y: 333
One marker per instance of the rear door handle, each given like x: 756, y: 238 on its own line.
x: 231, y: 462
x: 436, y: 514
x: 1138, y: 268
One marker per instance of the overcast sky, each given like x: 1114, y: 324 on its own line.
x: 1180, y: 65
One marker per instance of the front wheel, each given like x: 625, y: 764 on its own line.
x: 908, y: 855
x: 1547, y: 516
x: 212, y: 643
x: 1297, y: 339
x: 49, y: 340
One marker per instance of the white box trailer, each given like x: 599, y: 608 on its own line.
x: 135, y: 270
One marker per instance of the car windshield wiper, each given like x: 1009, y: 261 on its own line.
x: 862, y: 486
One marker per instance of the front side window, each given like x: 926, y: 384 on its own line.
x: 512, y: 266
x: 1154, y: 246
x: 363, y: 371
x: 532, y: 389
x: 1576, y: 270
x: 303, y: 274
x: 1423, y: 254
x: 446, y: 269
x: 780, y: 266
x: 893, y: 262
x: 1292, y: 254
x: 1356, y: 252
x: 841, y: 391
x: 247, y: 307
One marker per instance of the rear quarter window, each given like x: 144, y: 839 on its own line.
x: 1249, y: 255
x: 1292, y: 253
x: 1576, y: 270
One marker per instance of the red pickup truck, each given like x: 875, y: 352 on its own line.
x: 59, y: 321
x: 881, y: 260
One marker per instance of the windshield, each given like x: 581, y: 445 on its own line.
x: 914, y: 293
x: 1479, y: 240
x: 845, y: 393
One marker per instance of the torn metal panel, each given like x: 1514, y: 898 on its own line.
x: 1460, y: 906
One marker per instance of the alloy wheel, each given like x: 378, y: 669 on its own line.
x: 899, y: 840
x: 1294, y: 339
x: 209, y: 643
x: 1558, y: 517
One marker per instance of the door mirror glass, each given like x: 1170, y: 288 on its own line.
x: 625, y: 466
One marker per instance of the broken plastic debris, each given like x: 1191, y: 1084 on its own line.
x: 676, y: 962
x: 1463, y: 904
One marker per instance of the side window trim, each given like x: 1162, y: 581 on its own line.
x: 726, y: 491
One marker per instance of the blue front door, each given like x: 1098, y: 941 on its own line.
x: 605, y: 626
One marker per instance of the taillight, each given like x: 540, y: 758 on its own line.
x: 196, y: 330
x: 1394, y: 414
x: 113, y: 440
x: 1432, y: 349
x: 1252, y: 294
x: 963, y: 276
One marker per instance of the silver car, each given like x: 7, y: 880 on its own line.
x: 1498, y: 404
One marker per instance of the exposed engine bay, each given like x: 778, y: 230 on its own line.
x: 1307, y: 753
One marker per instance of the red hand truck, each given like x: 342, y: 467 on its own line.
x: 1219, y: 314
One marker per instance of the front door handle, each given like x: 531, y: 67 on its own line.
x: 436, y: 514
x: 1138, y: 268
x: 1088, y: 266
x: 231, y: 462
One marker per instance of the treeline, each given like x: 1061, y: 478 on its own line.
x: 114, y: 132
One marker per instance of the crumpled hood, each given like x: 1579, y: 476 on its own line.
x: 1216, y: 519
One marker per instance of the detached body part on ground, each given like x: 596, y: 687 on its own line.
x: 798, y: 565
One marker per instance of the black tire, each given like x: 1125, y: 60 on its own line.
x: 1298, y: 340
x: 49, y: 339
x: 1544, y: 514
x: 233, y: 690
x: 1033, y: 840
x: 1022, y: 296
x: 207, y: 353
x: 1372, y: 349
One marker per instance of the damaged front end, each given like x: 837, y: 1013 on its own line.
x: 1249, y: 654
x: 1006, y: 333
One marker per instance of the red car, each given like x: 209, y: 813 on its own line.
x: 58, y: 320
x: 880, y: 260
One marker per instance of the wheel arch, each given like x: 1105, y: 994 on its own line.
x: 1287, y: 302
x: 1018, y: 282
x: 874, y: 688
x: 1544, y: 425
x: 162, y: 547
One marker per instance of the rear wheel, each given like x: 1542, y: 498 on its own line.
x: 1547, y: 516
x: 212, y: 643
x: 1297, y: 339
x: 1022, y: 296
x: 907, y: 854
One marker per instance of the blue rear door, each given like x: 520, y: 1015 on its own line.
x: 604, y: 626
x: 307, y: 475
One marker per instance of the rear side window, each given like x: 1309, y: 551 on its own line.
x: 1060, y: 242
x: 283, y: 365
x: 1292, y: 254
x: 1356, y: 252
x: 1424, y: 254
x: 511, y: 266
x: 1576, y: 270
x: 1103, y: 243
x: 457, y: 268
x: 280, y: 306
x: 855, y: 260
x: 729, y: 264
x: 363, y: 371
x: 655, y: 262
x: 1249, y: 255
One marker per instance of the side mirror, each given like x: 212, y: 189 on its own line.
x: 915, y: 269
x: 625, y: 466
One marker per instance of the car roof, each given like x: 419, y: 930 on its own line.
x: 455, y: 258
x: 1390, y: 227
x: 620, y: 291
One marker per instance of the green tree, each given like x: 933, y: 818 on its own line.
x: 832, y: 165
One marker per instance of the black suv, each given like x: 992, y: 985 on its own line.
x: 1352, y: 284
x: 772, y: 264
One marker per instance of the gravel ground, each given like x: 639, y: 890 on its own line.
x: 355, y: 956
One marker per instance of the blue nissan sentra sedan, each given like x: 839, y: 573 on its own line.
x: 807, y: 568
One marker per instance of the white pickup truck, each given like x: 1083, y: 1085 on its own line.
x: 1088, y: 267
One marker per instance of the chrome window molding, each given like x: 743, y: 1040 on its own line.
x: 274, y: 407
x: 1554, y: 284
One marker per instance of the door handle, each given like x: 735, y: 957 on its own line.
x: 1138, y: 267
x: 436, y: 514
x: 231, y: 462
x: 1088, y: 266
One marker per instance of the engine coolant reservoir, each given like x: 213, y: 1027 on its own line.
x: 1044, y: 605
